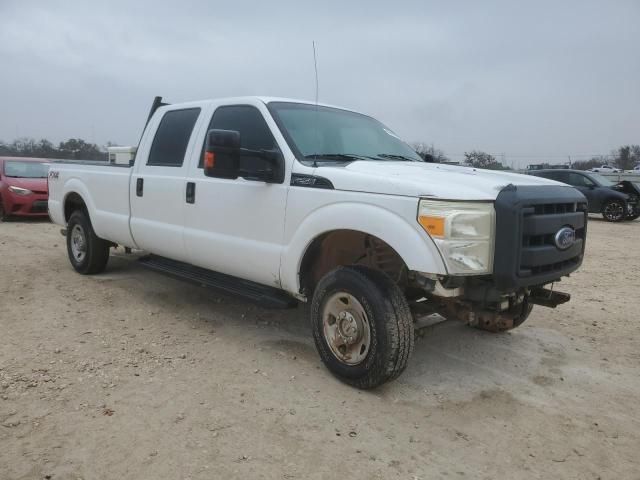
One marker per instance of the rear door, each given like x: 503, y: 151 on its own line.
x: 157, y: 189
x: 587, y: 187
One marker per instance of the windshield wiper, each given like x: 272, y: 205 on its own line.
x: 397, y: 157
x: 342, y: 157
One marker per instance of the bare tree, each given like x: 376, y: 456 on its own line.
x: 429, y: 153
x: 589, y: 164
x: 74, y: 148
x: 479, y: 159
x: 627, y: 156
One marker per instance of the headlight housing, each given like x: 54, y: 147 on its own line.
x: 463, y: 232
x: 19, y: 190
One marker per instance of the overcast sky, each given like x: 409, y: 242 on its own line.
x: 527, y: 79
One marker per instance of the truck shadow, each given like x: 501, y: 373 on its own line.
x: 446, y: 353
x: 26, y: 220
x: 453, y: 354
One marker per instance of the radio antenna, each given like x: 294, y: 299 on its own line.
x: 315, y: 66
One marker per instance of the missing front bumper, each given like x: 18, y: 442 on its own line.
x: 547, y: 297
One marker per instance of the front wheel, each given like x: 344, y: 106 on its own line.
x: 614, y: 211
x: 362, y: 326
x: 88, y: 254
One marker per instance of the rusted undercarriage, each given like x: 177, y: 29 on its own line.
x: 504, y: 314
x: 474, y: 301
x: 490, y: 320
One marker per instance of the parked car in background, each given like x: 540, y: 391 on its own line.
x: 615, y: 201
x: 23, y: 187
x: 606, y: 169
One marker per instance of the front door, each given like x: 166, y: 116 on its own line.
x: 236, y: 226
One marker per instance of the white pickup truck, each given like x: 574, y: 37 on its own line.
x: 285, y: 201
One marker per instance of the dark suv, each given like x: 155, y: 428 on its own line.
x: 616, y: 201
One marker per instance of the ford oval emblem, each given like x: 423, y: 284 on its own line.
x: 565, y: 238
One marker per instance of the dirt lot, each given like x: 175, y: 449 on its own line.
x: 132, y: 375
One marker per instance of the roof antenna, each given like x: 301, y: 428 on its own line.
x: 315, y: 66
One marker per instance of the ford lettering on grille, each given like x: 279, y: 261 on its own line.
x: 565, y: 238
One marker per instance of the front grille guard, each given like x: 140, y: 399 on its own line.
x: 527, y: 219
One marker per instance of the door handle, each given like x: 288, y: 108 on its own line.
x: 191, y: 192
x: 139, y: 186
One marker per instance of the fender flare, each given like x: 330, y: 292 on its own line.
x: 410, y: 241
x: 75, y: 186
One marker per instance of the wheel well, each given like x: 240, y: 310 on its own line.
x: 349, y: 247
x: 73, y: 202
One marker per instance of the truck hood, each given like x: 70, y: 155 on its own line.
x: 417, y: 179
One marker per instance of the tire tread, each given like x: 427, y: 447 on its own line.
x: 398, y: 328
x: 97, y: 251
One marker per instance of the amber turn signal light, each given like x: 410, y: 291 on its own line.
x: 209, y: 160
x: 433, y: 225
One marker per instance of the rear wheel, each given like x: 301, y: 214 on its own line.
x: 362, y: 326
x: 614, y: 211
x: 88, y: 254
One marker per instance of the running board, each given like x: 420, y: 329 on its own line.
x: 262, y: 294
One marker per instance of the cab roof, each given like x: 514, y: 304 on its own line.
x: 264, y: 99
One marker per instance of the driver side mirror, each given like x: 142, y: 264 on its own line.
x: 222, y: 154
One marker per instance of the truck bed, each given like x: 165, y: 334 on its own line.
x: 104, y: 188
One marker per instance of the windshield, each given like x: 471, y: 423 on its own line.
x: 26, y: 169
x: 600, y: 180
x: 319, y: 134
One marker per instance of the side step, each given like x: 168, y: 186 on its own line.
x: 262, y: 294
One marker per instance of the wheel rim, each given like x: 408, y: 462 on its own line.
x: 346, y: 328
x: 614, y: 211
x: 78, y: 243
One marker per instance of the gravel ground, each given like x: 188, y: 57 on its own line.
x: 132, y: 375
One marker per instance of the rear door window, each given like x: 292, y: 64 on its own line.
x: 172, y: 137
x: 559, y: 177
x: 578, y: 180
x: 550, y: 175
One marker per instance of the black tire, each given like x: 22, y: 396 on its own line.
x: 390, y: 325
x: 96, y: 251
x: 524, y: 314
x: 614, y: 210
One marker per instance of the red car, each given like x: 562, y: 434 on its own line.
x: 23, y: 187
